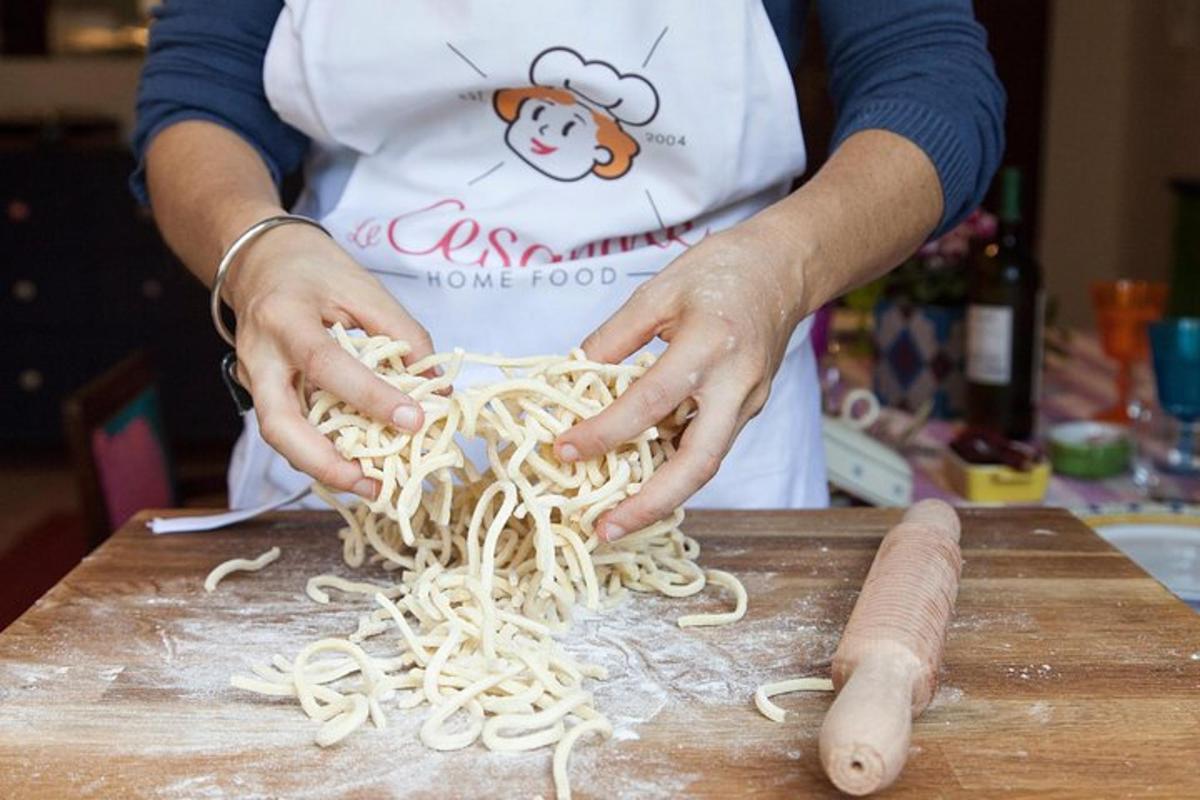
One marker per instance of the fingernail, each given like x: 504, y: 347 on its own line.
x: 406, y: 417
x: 568, y: 452
x: 365, y: 488
x: 611, y: 531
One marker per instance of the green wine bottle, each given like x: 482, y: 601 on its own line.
x: 1005, y: 308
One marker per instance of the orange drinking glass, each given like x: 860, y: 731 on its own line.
x: 1123, y: 310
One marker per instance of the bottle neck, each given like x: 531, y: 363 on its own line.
x: 1010, y: 207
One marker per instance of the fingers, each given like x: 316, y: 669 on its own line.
x: 650, y: 398
x: 636, y: 322
x: 284, y: 427
x: 704, y: 444
x: 380, y: 314
x: 327, y: 365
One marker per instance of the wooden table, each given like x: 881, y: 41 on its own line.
x: 1069, y: 673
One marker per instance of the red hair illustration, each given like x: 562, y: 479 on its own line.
x: 568, y: 125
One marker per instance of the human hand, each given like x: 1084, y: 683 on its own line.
x: 289, y: 286
x: 726, y: 308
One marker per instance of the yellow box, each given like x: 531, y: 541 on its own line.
x: 996, y: 483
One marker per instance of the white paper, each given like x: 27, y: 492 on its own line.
x: 212, y: 522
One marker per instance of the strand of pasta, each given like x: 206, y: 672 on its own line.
x: 489, y: 562
x: 315, y: 588
x: 562, y: 751
x: 222, y: 570
x: 764, y: 693
x: 720, y: 578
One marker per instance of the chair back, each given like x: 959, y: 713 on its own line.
x: 118, y: 446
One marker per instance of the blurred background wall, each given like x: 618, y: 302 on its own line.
x: 32, y: 86
x: 1122, y: 119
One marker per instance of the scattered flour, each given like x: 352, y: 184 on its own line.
x: 171, y: 700
x: 1007, y: 621
x: 110, y: 674
x: 946, y: 696
x: 1032, y: 672
x: 1041, y: 711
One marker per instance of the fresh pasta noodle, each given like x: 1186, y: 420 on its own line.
x: 764, y: 693
x: 223, y: 569
x: 563, y: 749
x: 489, y: 562
x: 719, y: 578
x: 317, y: 584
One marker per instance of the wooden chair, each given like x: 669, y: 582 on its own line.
x: 119, y: 450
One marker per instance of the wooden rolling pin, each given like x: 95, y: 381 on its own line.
x: 886, y: 666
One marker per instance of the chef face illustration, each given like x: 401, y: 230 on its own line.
x: 568, y: 124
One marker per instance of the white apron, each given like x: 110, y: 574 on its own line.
x: 512, y: 171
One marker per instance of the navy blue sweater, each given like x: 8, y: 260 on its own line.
x: 919, y: 68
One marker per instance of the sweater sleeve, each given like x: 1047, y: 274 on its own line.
x: 205, y: 61
x: 920, y: 69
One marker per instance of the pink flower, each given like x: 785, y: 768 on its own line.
x: 955, y: 244
x: 984, y: 224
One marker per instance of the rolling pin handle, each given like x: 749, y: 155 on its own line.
x: 864, y: 739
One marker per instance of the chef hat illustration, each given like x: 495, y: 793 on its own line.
x: 625, y: 97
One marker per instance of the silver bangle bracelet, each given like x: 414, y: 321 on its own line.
x: 252, y: 233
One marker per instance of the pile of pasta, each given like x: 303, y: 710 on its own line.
x: 488, y: 562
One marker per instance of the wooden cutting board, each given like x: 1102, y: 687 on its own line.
x: 1069, y: 673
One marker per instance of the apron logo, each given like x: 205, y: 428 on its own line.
x: 569, y: 123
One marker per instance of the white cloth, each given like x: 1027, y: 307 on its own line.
x: 512, y: 171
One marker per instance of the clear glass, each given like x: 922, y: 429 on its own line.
x: 1156, y: 445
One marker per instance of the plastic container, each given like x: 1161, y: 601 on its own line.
x: 996, y: 483
x: 1090, y: 450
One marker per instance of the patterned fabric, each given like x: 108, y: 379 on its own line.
x: 920, y: 357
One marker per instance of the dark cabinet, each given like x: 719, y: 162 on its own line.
x: 84, y: 280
